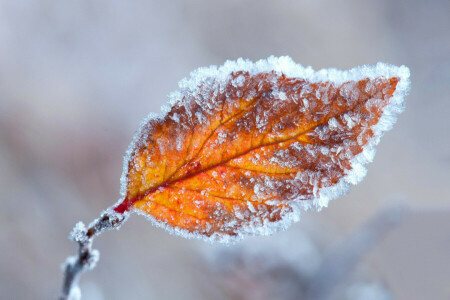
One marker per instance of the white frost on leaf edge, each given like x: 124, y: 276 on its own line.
x: 284, y: 65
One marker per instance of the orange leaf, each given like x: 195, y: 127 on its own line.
x: 244, y: 147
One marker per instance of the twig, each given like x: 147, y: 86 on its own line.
x: 87, y: 257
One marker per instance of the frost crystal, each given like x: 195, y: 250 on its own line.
x: 78, y: 233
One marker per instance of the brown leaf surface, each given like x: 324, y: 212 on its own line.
x: 239, y: 155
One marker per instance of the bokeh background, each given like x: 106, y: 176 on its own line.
x: 76, y: 78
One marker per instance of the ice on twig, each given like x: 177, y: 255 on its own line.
x: 78, y: 233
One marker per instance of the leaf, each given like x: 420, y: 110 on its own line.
x: 245, y: 147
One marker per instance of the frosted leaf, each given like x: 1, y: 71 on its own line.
x: 245, y: 147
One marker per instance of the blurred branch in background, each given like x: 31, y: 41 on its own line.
x: 296, y: 269
x: 341, y: 261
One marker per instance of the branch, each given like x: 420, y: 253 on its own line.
x: 342, y: 260
x: 87, y: 257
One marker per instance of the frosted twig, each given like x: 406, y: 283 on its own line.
x: 87, y: 257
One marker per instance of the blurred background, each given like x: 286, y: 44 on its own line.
x: 76, y: 78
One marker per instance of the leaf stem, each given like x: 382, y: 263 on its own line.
x: 87, y: 258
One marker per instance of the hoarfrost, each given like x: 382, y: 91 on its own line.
x: 238, y: 81
x: 179, y: 143
x: 306, y: 103
x: 221, y: 138
x: 324, y: 150
x: 280, y: 95
x: 333, y: 123
x: 349, y: 121
x: 176, y: 118
x: 251, y: 207
x: 219, y: 77
x: 78, y: 233
x: 200, y: 117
